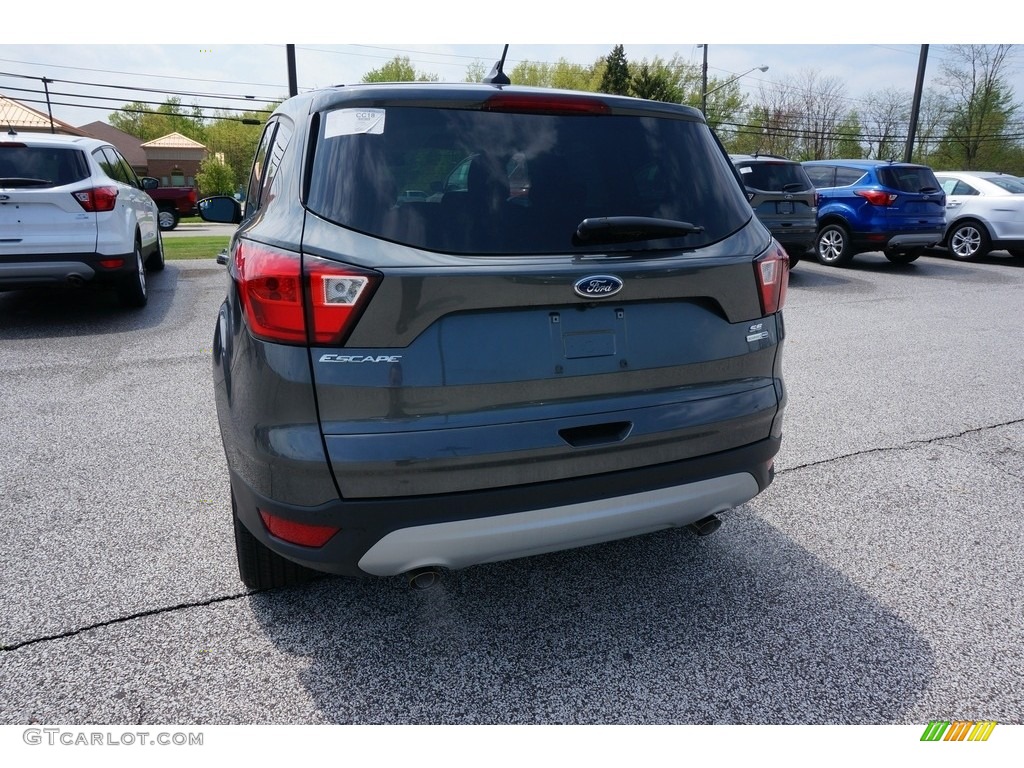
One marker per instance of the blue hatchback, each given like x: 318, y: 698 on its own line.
x: 876, y: 205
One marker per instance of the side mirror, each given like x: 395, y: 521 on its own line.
x: 221, y: 209
x: 148, y: 182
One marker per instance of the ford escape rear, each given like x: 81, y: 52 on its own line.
x: 575, y: 336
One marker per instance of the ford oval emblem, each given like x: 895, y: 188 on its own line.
x: 598, y: 286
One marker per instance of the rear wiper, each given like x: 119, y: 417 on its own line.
x: 21, y: 181
x: 627, y: 229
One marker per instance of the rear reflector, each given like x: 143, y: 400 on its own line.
x: 297, y: 533
x: 97, y: 199
x: 112, y: 263
x: 276, y: 294
x: 771, y: 270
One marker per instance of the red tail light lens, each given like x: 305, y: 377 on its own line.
x: 876, y: 196
x: 97, y: 199
x: 771, y: 270
x: 270, y: 284
x: 297, y: 533
x: 274, y: 289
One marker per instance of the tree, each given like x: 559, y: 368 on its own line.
x: 398, y: 70
x: 476, y: 72
x: 562, y: 74
x: 981, y: 105
x: 615, y: 78
x: 655, y: 82
x: 235, y: 140
x: 141, y: 120
x: 886, y: 121
x: 215, y: 177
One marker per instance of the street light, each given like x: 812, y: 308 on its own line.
x: 704, y: 87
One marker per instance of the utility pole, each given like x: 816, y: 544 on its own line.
x: 49, y: 109
x: 916, y: 108
x: 704, y: 82
x: 293, y: 82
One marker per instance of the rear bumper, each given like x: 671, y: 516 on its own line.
x: 52, y: 270
x: 895, y: 241
x: 390, y: 536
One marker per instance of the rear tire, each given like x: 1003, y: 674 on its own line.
x: 167, y: 219
x: 833, y: 246
x: 132, y: 291
x: 261, y: 568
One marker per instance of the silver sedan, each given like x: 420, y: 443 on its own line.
x: 984, y: 212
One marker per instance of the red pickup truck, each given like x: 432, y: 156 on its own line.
x: 173, y: 202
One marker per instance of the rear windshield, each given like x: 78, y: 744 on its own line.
x: 1009, y: 183
x: 22, y: 166
x: 467, y: 181
x: 908, y: 178
x: 775, y: 177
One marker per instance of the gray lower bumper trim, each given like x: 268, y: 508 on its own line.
x: 462, y: 543
x: 46, y: 270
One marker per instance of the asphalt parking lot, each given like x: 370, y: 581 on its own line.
x: 879, y: 580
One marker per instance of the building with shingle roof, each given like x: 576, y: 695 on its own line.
x: 16, y: 115
x: 174, y: 159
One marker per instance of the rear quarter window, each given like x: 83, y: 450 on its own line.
x: 499, y: 182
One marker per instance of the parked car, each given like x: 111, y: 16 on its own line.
x: 172, y: 202
x: 405, y: 386
x: 783, y: 198
x: 876, y: 205
x: 984, y: 212
x: 72, y: 212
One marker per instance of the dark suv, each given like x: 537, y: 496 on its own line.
x: 783, y: 198
x: 876, y: 205
x: 575, y: 338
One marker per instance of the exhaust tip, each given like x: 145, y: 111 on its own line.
x: 423, y: 578
x: 76, y: 280
x: 706, y: 525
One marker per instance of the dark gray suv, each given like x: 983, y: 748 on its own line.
x: 573, y: 335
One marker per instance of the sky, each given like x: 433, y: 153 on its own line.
x: 240, y: 60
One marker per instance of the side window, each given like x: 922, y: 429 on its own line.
x: 273, y: 160
x: 821, y: 175
x: 104, y: 163
x: 963, y: 188
x: 115, y: 168
x: 847, y: 176
x: 259, y: 163
x: 127, y: 170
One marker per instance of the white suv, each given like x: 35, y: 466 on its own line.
x: 72, y: 211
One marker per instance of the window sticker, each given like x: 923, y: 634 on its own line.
x: 349, y: 122
x: 746, y: 169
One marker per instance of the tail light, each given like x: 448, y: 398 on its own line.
x: 97, y: 199
x: 286, y: 304
x: 877, y: 196
x: 771, y: 270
